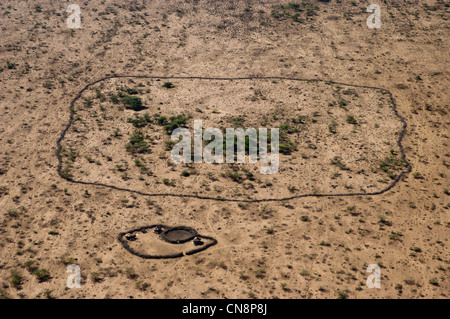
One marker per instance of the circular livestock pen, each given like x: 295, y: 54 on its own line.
x: 172, y: 235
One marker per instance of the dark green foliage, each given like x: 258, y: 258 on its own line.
x: 41, y: 274
x: 88, y: 101
x: 395, y: 236
x: 185, y: 173
x: 342, y: 294
x: 137, y: 144
x: 161, y: 120
x: 342, y: 103
x: 392, y: 164
x: 10, y: 65
x: 332, y: 127
x: 4, y: 294
x: 295, y: 6
x: 248, y: 144
x: 296, y: 18
x: 235, y: 176
x: 276, y: 14
x: 293, y: 10
x: 140, y: 121
x: 311, y: 10
x: 175, y: 122
x: 287, y: 148
x: 65, y: 172
x: 71, y: 154
x: 114, y: 98
x: 131, y: 91
x: 16, y: 278
x: 171, y: 123
x: 168, y: 85
x: 416, y: 249
x: 132, y: 102
x: 238, y: 121
x: 351, y: 120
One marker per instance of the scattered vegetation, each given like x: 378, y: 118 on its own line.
x: 137, y: 144
x: 16, y: 278
x: 140, y: 122
x: 172, y: 123
x: 41, y: 274
x: 298, y: 12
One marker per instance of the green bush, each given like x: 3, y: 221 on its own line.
x: 137, y: 144
x: 168, y: 85
x: 175, y: 122
x: 16, y: 279
x: 185, y: 173
x: 161, y: 120
x: 287, y: 148
x: 132, y: 102
x: 351, y: 120
x: 131, y: 91
x: 235, y: 176
x: 10, y: 65
x: 140, y: 121
x: 41, y: 274
x: 97, y: 277
x: 171, y: 123
x: 342, y: 294
x: 114, y: 98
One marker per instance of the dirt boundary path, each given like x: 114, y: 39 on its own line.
x: 87, y: 86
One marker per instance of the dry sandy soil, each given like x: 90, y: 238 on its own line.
x: 321, y: 153
x: 310, y: 247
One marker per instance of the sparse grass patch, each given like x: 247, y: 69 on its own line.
x: 342, y: 294
x: 351, y: 120
x: 16, y: 278
x: 382, y: 219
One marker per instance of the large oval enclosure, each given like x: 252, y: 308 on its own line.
x: 334, y: 138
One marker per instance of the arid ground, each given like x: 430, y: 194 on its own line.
x: 337, y: 139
